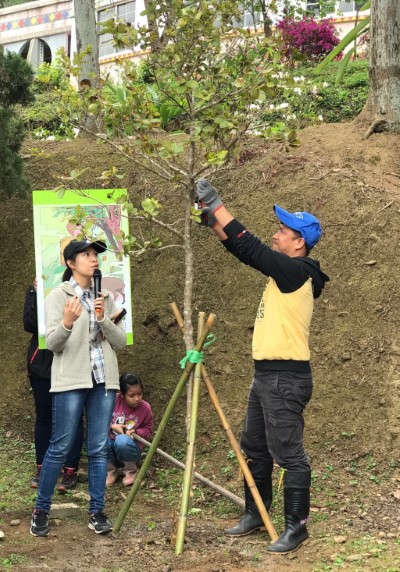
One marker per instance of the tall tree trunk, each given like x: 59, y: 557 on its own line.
x: 85, y: 24
x: 159, y: 35
x: 267, y: 22
x: 382, y: 109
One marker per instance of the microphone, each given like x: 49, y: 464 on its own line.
x: 96, y: 283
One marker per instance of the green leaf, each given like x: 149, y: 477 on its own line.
x: 151, y: 206
x: 75, y: 174
x: 223, y: 122
x: 156, y: 243
x: 130, y: 209
x: 348, y: 39
x: 169, y: 111
x: 343, y: 64
x: 239, y: 82
x: 217, y: 157
x: 261, y: 96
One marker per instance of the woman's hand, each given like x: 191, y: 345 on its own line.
x: 72, y: 311
x: 99, y: 307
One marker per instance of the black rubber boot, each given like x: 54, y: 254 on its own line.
x: 297, y: 510
x: 251, y: 520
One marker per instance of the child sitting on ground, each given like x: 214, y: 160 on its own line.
x: 131, y: 415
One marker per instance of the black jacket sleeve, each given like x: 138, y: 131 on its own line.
x: 30, y: 311
x: 38, y: 361
x: 289, y: 273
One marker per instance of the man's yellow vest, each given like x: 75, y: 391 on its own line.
x: 282, y: 325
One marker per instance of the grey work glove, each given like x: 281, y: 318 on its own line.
x: 207, y: 217
x: 208, y: 195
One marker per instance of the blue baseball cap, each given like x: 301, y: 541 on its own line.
x: 305, y: 223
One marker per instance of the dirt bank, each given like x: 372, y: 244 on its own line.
x: 352, y: 185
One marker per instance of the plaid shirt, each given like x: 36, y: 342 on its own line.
x: 96, y: 351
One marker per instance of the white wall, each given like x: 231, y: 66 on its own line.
x: 56, y: 32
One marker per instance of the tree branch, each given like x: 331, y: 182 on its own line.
x: 168, y: 227
x: 143, y: 250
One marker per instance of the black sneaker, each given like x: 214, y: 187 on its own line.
x: 69, y: 477
x: 100, y: 523
x: 36, y: 478
x: 39, y: 523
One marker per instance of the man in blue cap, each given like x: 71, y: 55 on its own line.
x: 282, y: 384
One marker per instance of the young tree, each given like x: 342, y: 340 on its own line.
x: 217, y: 82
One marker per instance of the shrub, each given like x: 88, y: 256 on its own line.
x: 42, y: 117
x: 315, y: 97
x: 12, y: 179
x: 49, y: 77
x: 15, y: 80
x: 307, y: 39
x: 16, y: 77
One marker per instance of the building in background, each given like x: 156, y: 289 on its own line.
x: 36, y: 30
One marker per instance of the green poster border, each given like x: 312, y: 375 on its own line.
x: 81, y: 197
x: 49, y: 198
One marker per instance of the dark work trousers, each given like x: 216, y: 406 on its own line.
x: 274, y: 423
x: 43, y: 409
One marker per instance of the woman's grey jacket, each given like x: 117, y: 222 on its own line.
x: 71, y: 364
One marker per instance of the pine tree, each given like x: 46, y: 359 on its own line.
x: 16, y: 76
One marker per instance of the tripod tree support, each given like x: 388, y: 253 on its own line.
x: 190, y: 452
x: 217, y: 488
x: 189, y: 366
x: 235, y: 446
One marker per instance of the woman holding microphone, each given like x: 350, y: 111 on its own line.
x: 84, y: 378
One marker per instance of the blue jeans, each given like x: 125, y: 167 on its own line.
x: 43, y: 405
x: 123, y: 449
x: 67, y: 412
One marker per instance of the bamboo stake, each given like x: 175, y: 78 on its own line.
x: 157, y: 437
x: 190, y: 454
x: 217, y: 488
x: 239, y: 455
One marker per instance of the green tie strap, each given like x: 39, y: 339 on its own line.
x: 192, y: 356
x: 196, y: 357
x: 211, y: 339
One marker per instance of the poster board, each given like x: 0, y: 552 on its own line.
x: 53, y: 230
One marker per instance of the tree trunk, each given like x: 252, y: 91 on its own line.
x: 89, y: 75
x: 267, y: 22
x: 188, y: 299
x: 382, y: 110
x: 159, y: 36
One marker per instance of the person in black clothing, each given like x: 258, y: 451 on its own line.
x: 282, y: 383
x: 39, y: 373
